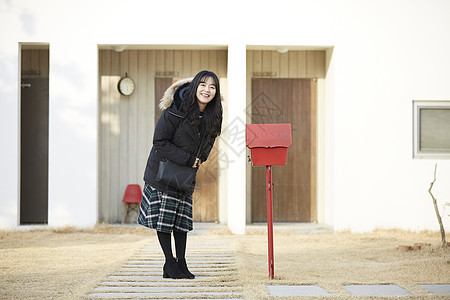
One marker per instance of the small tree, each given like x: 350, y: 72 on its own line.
x: 436, y: 209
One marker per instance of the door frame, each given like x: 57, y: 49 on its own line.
x: 312, y: 190
x: 34, y: 65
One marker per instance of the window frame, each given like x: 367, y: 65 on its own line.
x: 417, y: 106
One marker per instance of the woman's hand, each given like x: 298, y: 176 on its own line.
x: 197, y: 163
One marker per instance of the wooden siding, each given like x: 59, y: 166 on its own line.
x: 34, y: 63
x: 287, y: 101
x: 126, y: 124
x: 292, y: 64
x: 299, y: 64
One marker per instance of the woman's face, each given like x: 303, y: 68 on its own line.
x: 206, y: 91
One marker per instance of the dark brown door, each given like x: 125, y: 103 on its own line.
x: 206, y: 190
x: 294, y: 195
x: 34, y: 151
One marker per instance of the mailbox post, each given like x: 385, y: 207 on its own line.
x: 268, y: 144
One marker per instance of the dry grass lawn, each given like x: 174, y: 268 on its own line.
x: 332, y: 260
x: 62, y: 264
x: 69, y: 263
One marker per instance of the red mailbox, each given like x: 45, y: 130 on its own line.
x: 268, y: 144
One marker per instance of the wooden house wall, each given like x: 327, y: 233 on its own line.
x: 126, y: 124
x: 298, y: 64
x: 34, y: 63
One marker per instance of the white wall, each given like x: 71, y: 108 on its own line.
x: 377, y: 183
x: 9, y: 133
x: 386, y: 54
x: 235, y: 129
x: 73, y: 134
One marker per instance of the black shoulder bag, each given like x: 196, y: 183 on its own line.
x: 177, y: 176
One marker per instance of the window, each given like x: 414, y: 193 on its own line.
x: 431, y: 129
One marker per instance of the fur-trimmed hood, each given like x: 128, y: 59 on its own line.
x: 167, y: 99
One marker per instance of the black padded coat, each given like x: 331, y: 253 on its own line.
x: 175, y: 138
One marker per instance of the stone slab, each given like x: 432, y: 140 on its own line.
x: 165, y: 295
x: 197, y: 274
x: 155, y: 278
x: 189, y: 260
x: 376, y: 290
x: 153, y: 283
x: 296, y: 290
x: 441, y: 289
x: 160, y: 263
x: 165, y: 289
x: 159, y: 270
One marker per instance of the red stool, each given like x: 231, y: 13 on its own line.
x: 132, y: 198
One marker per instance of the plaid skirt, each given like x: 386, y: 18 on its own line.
x: 164, y: 212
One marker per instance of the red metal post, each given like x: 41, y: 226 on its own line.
x: 269, y: 186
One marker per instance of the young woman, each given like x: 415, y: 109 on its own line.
x: 191, y: 120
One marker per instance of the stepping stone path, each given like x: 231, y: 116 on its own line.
x: 355, y: 290
x: 141, y: 277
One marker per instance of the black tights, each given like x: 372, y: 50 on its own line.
x: 165, y: 241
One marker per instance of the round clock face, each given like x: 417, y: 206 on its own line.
x: 126, y: 86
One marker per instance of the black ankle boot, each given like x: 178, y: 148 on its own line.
x: 171, y: 270
x: 183, y: 267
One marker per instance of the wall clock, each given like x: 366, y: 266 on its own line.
x: 126, y: 85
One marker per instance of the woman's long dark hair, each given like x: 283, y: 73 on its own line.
x: 212, y: 116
